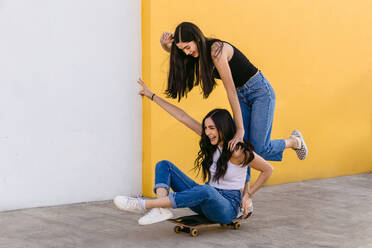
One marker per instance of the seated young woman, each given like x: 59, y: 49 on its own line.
x: 226, y: 189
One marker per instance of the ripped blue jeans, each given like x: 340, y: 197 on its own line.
x: 218, y: 205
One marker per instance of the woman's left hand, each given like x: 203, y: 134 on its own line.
x: 145, y: 91
x: 246, y: 205
x: 237, y: 138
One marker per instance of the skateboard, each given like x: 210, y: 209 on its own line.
x: 191, y: 223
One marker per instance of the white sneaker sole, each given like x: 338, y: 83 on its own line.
x: 164, y: 217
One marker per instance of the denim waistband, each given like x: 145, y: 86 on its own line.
x: 257, y: 77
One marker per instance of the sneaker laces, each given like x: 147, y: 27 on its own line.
x: 153, y: 211
x: 134, y: 203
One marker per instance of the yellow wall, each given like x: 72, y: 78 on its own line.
x: 317, y: 56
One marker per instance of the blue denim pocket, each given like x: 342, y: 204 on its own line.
x: 258, y: 85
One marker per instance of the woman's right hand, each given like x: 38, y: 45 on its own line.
x: 145, y: 91
x: 166, y: 40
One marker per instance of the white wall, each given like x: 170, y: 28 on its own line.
x: 70, y: 116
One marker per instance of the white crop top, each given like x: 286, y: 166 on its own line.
x: 234, y: 178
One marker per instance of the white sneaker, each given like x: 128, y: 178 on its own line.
x: 155, y: 215
x: 301, y: 150
x: 129, y: 204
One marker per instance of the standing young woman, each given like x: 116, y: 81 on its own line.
x: 224, y: 171
x: 198, y: 60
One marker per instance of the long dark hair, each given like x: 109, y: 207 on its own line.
x: 186, y: 71
x: 226, y: 129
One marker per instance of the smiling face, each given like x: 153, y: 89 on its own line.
x: 212, y: 132
x: 189, y: 48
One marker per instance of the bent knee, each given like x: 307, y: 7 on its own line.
x: 163, y: 164
x: 261, y: 150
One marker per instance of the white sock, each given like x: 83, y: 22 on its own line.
x: 142, y: 203
x: 299, y: 142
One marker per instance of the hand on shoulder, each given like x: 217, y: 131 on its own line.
x: 239, y: 155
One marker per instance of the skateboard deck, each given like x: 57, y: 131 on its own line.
x: 191, y: 223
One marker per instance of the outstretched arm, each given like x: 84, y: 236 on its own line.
x: 176, y: 112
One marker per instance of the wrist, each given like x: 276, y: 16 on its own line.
x: 239, y: 130
x: 165, y: 46
x: 240, y: 133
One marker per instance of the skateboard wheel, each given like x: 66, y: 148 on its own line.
x: 194, y: 232
x: 177, y: 229
x: 236, y: 225
x: 223, y: 225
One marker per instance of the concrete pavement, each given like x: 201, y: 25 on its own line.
x: 334, y: 212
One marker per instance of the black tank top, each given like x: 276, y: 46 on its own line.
x: 241, y: 68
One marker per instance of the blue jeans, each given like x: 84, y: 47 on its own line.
x: 257, y: 103
x: 218, y: 205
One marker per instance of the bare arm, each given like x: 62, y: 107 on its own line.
x: 258, y: 163
x: 176, y: 112
x: 247, y: 188
x: 222, y: 64
x: 179, y: 114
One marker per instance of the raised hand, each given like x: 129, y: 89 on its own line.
x: 166, y: 40
x: 144, y: 91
